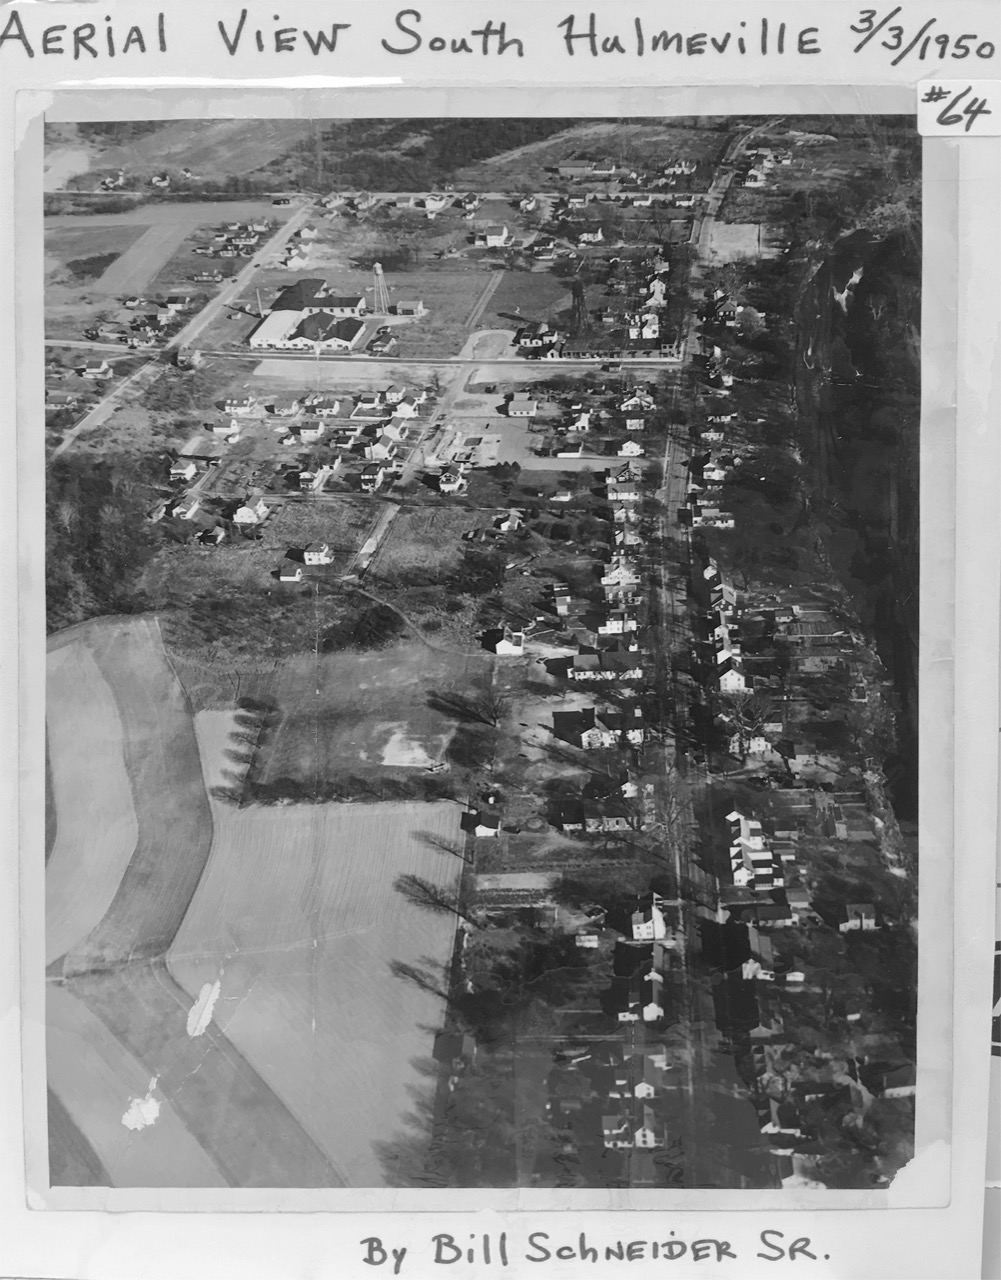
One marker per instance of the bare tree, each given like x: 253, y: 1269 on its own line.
x: 420, y: 978
x: 433, y: 840
x: 422, y: 893
x: 486, y: 707
x: 746, y: 712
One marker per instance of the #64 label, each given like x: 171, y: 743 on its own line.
x: 959, y: 108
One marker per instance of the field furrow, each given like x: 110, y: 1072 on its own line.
x: 94, y: 835
x: 174, y: 820
x: 298, y: 921
x: 228, y: 1112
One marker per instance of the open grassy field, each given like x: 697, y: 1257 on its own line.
x: 94, y: 823
x: 362, y: 713
x: 80, y: 243
x: 77, y: 258
x: 210, y: 148
x: 298, y: 921
x: 523, y: 296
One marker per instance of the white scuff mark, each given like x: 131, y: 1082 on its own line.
x: 142, y: 1112
x: 200, y: 1014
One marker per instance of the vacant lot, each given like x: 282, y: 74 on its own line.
x: 298, y: 921
x: 423, y: 544
x: 95, y: 822
x: 734, y: 241
x: 524, y: 296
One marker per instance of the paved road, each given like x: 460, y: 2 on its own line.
x: 136, y: 267
x: 235, y: 287
x: 489, y: 289
x: 190, y: 213
x: 104, y: 408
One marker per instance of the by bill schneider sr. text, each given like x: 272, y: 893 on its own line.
x: 434, y: 34
x: 482, y: 1250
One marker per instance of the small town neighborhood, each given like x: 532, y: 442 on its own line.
x: 532, y: 467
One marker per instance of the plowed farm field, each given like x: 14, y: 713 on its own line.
x: 221, y: 1008
x: 95, y: 835
x: 297, y: 921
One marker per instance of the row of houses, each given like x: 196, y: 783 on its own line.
x: 235, y: 240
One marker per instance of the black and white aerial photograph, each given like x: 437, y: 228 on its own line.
x: 482, y: 603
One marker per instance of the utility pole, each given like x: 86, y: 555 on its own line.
x: 318, y: 154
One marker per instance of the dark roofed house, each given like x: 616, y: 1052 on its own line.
x: 311, y: 295
x: 328, y: 331
x: 569, y: 816
x: 481, y: 825
x: 452, y: 1047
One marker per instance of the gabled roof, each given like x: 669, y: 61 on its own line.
x: 302, y: 294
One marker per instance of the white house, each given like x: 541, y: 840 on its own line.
x: 406, y: 407
x: 494, y: 237
x: 631, y: 449
x: 484, y: 826
x: 318, y: 555
x: 452, y: 481
x: 522, y: 406
x: 183, y: 469
x: 372, y: 477
x: 648, y: 923
x: 290, y: 571
x: 254, y: 511
x: 650, y: 1133
x: 510, y: 645
x: 382, y: 450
